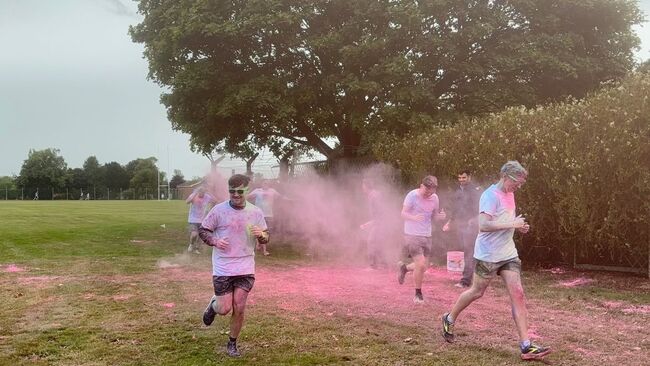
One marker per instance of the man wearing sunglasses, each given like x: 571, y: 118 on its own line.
x: 420, y: 207
x: 496, y: 255
x: 233, y: 228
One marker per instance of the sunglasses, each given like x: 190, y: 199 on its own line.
x: 516, y: 180
x: 238, y: 191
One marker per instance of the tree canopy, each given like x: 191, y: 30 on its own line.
x: 177, y: 179
x: 289, y: 73
x: 43, y: 168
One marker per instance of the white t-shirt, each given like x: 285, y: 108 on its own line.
x: 235, y: 225
x: 264, y: 199
x: 496, y: 246
x: 198, y: 208
x: 418, y: 205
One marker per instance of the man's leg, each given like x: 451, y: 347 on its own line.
x: 236, y: 320
x: 467, y: 237
x: 193, y: 237
x: 418, y: 266
x: 238, y: 306
x: 475, y: 292
x: 479, y: 284
x: 512, y: 281
x: 529, y: 350
x: 221, y: 305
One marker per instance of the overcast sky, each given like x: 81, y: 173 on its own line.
x: 72, y: 79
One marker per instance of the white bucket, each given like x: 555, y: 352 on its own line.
x: 455, y: 261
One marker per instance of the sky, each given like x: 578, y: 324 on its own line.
x: 72, y: 79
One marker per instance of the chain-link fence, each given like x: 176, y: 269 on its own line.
x: 49, y: 193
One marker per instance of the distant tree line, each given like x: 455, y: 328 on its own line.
x: 47, y: 170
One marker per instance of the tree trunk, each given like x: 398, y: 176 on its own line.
x: 249, y: 165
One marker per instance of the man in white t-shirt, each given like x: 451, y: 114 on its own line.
x: 420, y: 207
x: 233, y: 228
x: 264, y: 198
x: 199, y: 202
x: 496, y: 255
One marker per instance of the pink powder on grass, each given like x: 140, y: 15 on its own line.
x: 14, y: 268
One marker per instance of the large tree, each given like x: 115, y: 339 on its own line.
x: 276, y: 72
x: 177, y: 179
x: 94, y: 172
x: 43, y: 169
x: 143, y: 174
x: 115, y: 176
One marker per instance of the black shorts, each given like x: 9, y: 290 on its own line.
x: 226, y: 284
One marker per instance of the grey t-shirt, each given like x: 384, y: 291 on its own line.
x: 235, y: 225
x: 496, y: 246
x: 198, y: 208
x: 418, y: 205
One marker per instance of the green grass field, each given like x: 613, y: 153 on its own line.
x: 102, y: 283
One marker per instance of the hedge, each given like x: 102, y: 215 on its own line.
x: 588, y: 193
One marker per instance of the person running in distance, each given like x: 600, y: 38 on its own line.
x: 496, y: 255
x: 233, y: 228
x: 420, y: 207
x: 199, y: 202
x: 264, y: 198
x: 378, y: 227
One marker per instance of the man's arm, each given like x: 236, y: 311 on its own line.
x: 486, y: 223
x: 262, y: 235
x: 190, y: 198
x: 407, y: 215
x: 207, y: 236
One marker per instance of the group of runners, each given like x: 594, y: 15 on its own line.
x: 235, y: 229
x: 490, y: 229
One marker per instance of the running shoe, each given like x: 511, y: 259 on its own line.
x: 418, y: 299
x: 448, y: 329
x: 232, y: 349
x: 534, y: 352
x: 209, y: 313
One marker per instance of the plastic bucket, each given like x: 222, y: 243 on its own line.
x: 455, y: 261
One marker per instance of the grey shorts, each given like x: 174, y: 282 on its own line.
x: 226, y: 284
x: 193, y: 227
x: 416, y: 245
x: 488, y: 270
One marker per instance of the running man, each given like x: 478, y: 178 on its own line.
x: 199, y: 201
x: 421, y: 205
x: 264, y: 198
x: 233, y: 228
x: 496, y: 255
x: 378, y: 227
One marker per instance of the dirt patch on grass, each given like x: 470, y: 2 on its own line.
x: 374, y: 295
